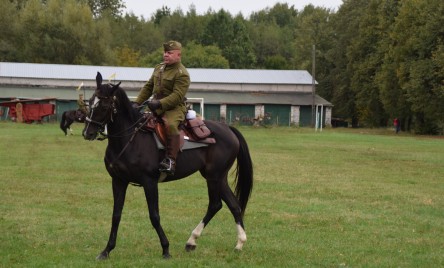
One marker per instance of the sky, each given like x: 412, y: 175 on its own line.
x: 146, y: 8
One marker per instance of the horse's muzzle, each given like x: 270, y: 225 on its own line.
x: 90, y: 136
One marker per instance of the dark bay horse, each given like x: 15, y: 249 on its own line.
x: 132, y: 157
x: 69, y: 117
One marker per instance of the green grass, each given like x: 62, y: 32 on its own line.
x: 340, y: 198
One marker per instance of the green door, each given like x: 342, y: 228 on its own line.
x: 277, y: 115
x: 305, y: 116
x: 64, y: 105
x: 211, y: 112
x: 241, y: 114
x: 196, y: 107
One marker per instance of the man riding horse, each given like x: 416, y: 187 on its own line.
x: 83, y: 110
x: 168, y: 85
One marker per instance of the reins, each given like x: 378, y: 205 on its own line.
x: 136, y: 130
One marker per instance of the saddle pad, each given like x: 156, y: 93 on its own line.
x: 188, y: 145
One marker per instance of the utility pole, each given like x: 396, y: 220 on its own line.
x: 313, y: 86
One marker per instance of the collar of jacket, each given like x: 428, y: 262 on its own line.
x: 172, y: 66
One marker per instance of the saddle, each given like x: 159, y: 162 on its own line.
x: 80, y: 115
x: 191, y: 130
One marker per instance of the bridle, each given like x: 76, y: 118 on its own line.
x: 110, y: 111
x: 108, y: 114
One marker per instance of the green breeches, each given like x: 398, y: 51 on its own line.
x: 173, y: 119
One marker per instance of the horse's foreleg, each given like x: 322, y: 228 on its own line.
x: 119, y: 192
x: 214, y: 205
x: 152, y: 198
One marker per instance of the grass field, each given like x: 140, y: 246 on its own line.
x: 340, y: 198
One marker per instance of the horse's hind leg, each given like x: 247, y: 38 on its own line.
x: 214, y: 205
x: 230, y: 199
x: 63, y: 128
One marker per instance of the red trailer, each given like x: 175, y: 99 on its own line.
x: 29, y: 110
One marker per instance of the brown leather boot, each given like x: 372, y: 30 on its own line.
x: 168, y: 165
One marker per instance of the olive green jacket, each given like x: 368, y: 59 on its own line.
x: 169, y: 84
x: 82, y: 106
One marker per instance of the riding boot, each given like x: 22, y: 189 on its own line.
x: 79, y: 115
x: 168, y: 165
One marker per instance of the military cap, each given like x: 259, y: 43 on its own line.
x: 172, y: 45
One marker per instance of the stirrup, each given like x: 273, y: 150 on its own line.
x: 167, y: 166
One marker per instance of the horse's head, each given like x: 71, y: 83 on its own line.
x: 102, y: 108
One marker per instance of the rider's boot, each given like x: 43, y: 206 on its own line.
x: 168, y: 165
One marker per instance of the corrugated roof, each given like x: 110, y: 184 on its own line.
x: 87, y: 72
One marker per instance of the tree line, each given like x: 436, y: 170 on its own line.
x: 376, y: 60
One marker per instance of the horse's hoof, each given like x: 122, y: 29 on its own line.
x: 189, y: 247
x: 102, y: 256
x: 166, y: 256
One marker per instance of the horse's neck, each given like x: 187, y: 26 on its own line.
x: 122, y: 130
x: 121, y: 126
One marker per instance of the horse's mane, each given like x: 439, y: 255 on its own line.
x: 126, y: 104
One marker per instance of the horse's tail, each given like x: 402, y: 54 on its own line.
x: 63, y: 122
x: 244, y: 172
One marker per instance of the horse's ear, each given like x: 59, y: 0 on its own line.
x: 99, y: 79
x: 113, y: 89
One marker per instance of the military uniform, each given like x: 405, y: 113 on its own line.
x: 82, y: 107
x: 168, y: 85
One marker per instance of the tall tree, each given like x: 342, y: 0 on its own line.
x: 364, y: 61
x: 240, y: 52
x: 112, y: 7
x: 8, y: 30
x: 198, y: 56
x: 193, y: 56
x: 313, y: 27
x: 386, y: 79
x: 418, y: 39
x: 61, y: 32
x: 345, y: 23
x: 160, y: 14
x: 219, y: 30
x: 232, y: 37
x: 139, y: 35
x: 127, y: 56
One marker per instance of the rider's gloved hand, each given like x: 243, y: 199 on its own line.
x: 154, y: 105
x: 135, y: 105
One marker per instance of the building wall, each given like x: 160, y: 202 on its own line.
x: 135, y: 86
x: 66, y: 90
x: 328, y: 111
x: 259, y: 111
x: 295, y: 115
x: 250, y: 87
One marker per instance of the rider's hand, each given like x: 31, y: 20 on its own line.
x: 154, y: 105
x: 135, y: 105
